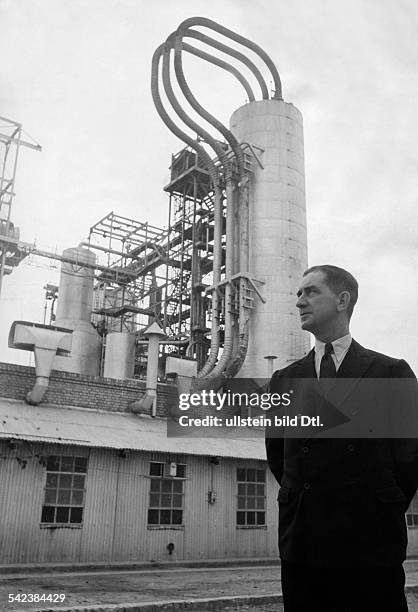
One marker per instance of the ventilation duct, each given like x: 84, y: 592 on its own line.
x: 46, y: 341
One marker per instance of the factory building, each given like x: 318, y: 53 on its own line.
x: 83, y: 479
x: 88, y: 473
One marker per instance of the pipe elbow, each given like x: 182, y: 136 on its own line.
x: 37, y: 393
x: 144, y: 405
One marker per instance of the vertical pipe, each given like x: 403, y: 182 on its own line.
x: 217, y: 262
x: 154, y: 334
x: 270, y: 365
x: 167, y: 261
x: 181, y: 263
x: 243, y: 218
x: 229, y: 266
x: 193, y: 293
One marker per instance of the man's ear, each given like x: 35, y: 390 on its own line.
x: 344, y: 299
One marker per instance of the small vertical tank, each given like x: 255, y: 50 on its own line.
x: 75, y: 299
x: 120, y: 355
x: 277, y: 233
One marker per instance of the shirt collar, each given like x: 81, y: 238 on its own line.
x: 340, y: 346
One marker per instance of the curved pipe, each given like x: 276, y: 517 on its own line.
x: 217, y: 259
x: 230, y: 332
x: 219, y: 151
x: 244, y: 204
x: 228, y: 341
x: 46, y: 341
x: 219, y: 377
x: 229, y: 67
x: 37, y: 393
x: 243, y: 333
x: 217, y: 256
x: 167, y: 119
x: 236, y: 340
x: 229, y: 137
x: 212, y: 42
x: 208, y: 23
x: 215, y: 343
x: 244, y: 219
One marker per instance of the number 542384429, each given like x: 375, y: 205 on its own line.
x: 36, y: 597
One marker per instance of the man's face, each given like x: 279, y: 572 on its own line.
x: 317, y: 303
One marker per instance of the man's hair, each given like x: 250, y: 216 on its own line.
x: 338, y: 280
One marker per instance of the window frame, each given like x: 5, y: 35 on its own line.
x: 411, y: 516
x: 60, y: 524
x: 161, y: 478
x: 245, y: 510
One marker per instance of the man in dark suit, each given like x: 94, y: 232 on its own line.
x: 342, y: 497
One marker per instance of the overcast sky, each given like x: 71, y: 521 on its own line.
x: 76, y: 73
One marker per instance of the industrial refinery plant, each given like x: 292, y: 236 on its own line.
x: 222, y: 275
x: 89, y: 473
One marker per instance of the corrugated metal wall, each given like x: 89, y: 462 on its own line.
x: 22, y: 482
x: 100, y: 506
x: 116, y: 506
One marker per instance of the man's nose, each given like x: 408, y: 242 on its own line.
x: 301, y: 301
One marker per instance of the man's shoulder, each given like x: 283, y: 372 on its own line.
x: 377, y: 364
x: 294, y: 368
x: 393, y: 364
x: 376, y: 355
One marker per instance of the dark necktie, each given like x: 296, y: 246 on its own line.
x: 327, y: 368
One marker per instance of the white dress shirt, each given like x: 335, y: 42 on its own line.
x: 340, y: 346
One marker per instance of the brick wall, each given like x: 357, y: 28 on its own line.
x: 69, y: 389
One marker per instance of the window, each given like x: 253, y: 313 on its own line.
x: 412, y: 513
x: 166, y: 493
x: 64, y: 490
x: 251, y: 497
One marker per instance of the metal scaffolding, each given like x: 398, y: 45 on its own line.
x: 154, y: 274
x: 187, y: 309
x: 146, y: 273
x: 126, y: 289
x: 12, y: 251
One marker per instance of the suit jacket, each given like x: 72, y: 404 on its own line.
x: 342, y: 500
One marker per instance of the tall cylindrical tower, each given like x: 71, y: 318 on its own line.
x: 75, y: 299
x: 278, y: 241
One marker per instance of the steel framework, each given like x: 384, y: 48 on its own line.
x: 148, y: 274
x: 12, y: 251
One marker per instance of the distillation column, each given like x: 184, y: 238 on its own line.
x: 277, y: 228
x: 75, y: 300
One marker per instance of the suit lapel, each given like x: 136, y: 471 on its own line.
x: 356, y: 362
x: 305, y: 368
x: 354, y: 366
x: 304, y: 374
